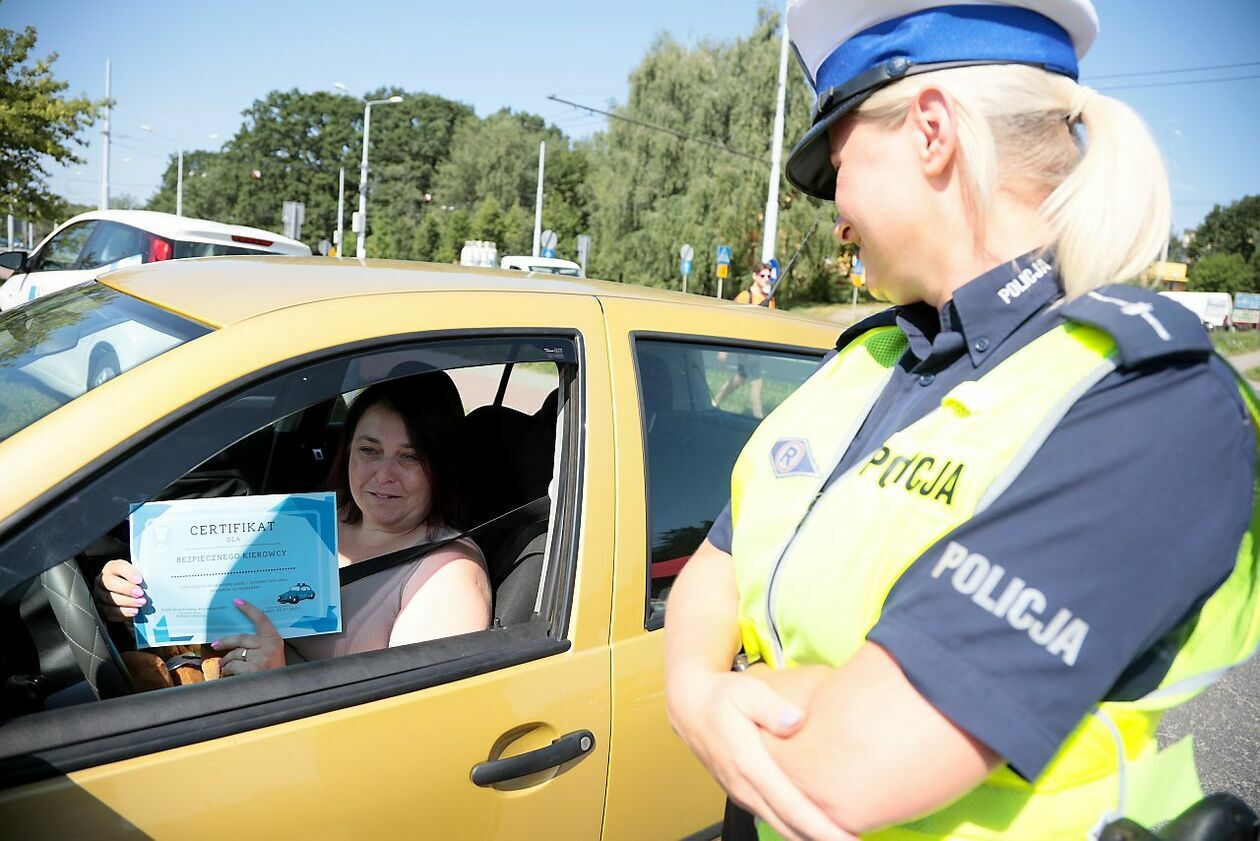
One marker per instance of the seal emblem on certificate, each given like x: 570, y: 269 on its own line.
x: 278, y: 552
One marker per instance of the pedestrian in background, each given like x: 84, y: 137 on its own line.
x: 1004, y: 527
x: 748, y: 367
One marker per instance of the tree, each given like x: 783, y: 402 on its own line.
x: 37, y: 123
x: 1232, y: 229
x: 290, y: 148
x: 1223, y: 273
x: 487, y: 221
x: 498, y: 158
x: 652, y: 191
x: 518, y: 231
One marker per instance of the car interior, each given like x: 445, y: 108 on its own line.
x: 60, y: 653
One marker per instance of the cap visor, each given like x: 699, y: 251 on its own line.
x: 809, y: 166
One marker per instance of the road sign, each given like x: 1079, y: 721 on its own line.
x: 723, y: 270
x: 685, y: 267
x: 724, y: 255
x: 549, y: 238
x: 293, y: 213
x: 687, y: 253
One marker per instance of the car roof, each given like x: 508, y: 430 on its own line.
x: 199, y: 230
x: 218, y: 291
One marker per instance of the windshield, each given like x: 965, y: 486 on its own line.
x: 57, y: 347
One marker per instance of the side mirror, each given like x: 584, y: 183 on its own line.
x: 12, y: 261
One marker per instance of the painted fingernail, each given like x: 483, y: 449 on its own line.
x: 215, y: 645
x: 238, y: 602
x: 129, y: 611
x: 790, y: 717
x: 137, y: 592
x: 136, y: 578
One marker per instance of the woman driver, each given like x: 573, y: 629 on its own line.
x: 399, y: 486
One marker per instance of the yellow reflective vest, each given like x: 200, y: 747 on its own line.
x: 799, y: 606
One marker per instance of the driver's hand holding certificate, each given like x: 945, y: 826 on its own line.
x: 278, y: 552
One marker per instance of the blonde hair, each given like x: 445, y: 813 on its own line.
x: 1107, y: 197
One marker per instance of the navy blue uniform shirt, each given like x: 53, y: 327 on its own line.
x: 1128, y: 517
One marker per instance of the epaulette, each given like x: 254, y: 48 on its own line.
x: 883, y: 318
x: 1144, y: 325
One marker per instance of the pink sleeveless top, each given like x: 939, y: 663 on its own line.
x: 369, y: 608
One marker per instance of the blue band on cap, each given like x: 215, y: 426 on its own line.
x: 954, y: 33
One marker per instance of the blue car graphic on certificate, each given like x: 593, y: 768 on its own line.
x: 277, y: 552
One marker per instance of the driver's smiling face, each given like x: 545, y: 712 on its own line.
x: 387, y: 478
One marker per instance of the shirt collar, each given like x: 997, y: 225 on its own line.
x: 991, y: 307
x: 983, y: 313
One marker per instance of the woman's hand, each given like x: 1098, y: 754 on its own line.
x: 722, y: 722
x: 117, y: 591
x: 248, y: 653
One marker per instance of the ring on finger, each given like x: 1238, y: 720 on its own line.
x: 244, y: 654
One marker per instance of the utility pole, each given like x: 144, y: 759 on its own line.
x: 104, y: 204
x: 542, y: 160
x: 341, y: 211
x: 770, y: 233
x: 360, y: 225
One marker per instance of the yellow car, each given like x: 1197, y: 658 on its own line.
x: 617, y: 410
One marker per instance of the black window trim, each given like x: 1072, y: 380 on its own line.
x: 656, y: 622
x: 55, y: 742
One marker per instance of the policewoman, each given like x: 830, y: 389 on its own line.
x: 1004, y: 528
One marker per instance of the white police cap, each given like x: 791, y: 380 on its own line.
x: 851, y: 48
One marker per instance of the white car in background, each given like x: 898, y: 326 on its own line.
x: 93, y: 243
x: 542, y: 265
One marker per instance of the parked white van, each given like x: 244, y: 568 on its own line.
x: 91, y: 244
x: 1213, y: 308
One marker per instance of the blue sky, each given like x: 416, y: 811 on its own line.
x: 188, y: 69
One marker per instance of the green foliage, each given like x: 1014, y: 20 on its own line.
x: 497, y: 158
x: 652, y: 192
x: 1234, y: 342
x: 1223, y: 273
x: 37, y: 123
x: 1232, y: 229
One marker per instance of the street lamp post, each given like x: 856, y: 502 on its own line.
x: 179, y: 177
x: 360, y: 227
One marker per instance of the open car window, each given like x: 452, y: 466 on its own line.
x: 280, y: 435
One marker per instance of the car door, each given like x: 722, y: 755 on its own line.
x: 54, y: 266
x: 391, y: 743
x: 670, y: 363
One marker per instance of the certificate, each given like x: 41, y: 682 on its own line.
x: 277, y: 552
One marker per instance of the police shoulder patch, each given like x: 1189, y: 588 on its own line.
x: 1145, y: 325
x: 883, y: 318
x: 792, y: 457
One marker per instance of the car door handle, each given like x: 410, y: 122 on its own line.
x: 567, y: 747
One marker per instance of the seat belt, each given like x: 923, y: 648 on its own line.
x: 371, y: 566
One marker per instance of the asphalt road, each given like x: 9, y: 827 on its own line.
x: 1225, y: 722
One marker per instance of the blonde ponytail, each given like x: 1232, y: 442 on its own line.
x: 1107, y: 198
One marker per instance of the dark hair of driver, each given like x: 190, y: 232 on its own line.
x: 431, y: 410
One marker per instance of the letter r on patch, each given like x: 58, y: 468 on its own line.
x: 791, y: 457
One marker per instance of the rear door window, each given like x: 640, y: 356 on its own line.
x: 114, y: 245
x: 700, y: 404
